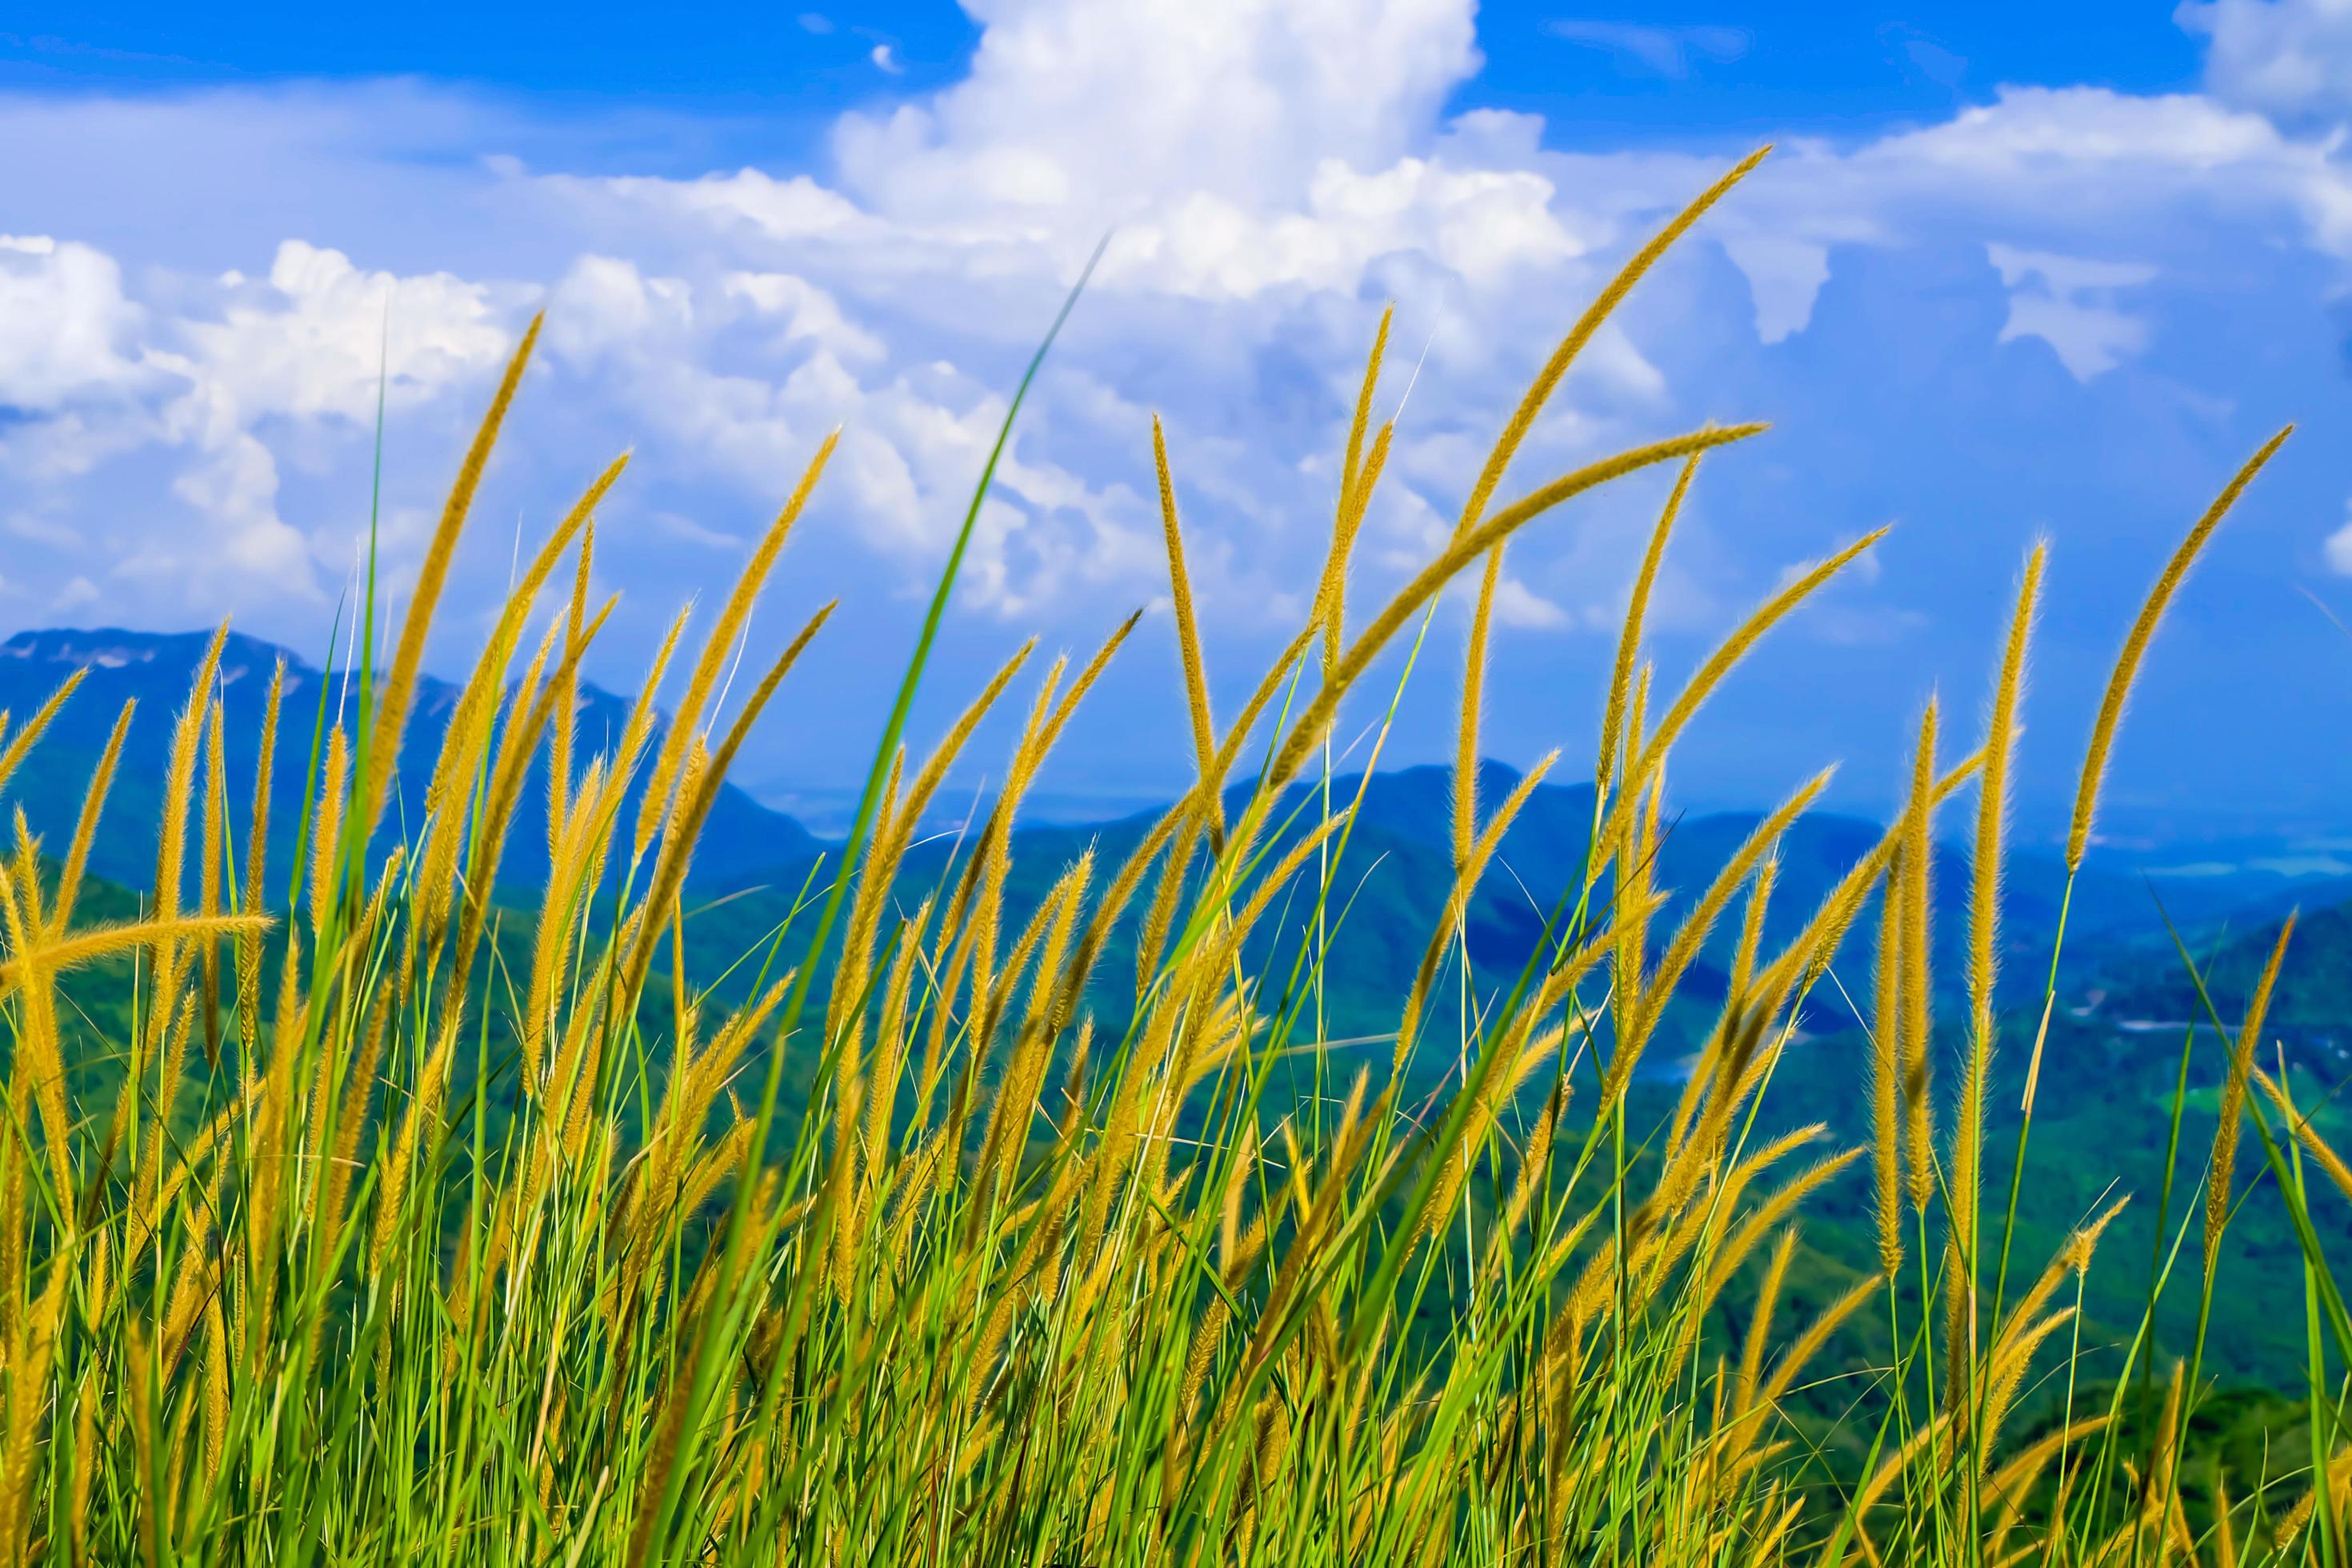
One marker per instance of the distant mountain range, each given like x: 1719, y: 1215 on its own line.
x: 1400, y: 856
x: 153, y: 670
x: 2312, y: 998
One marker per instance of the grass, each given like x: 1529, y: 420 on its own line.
x: 452, y: 1242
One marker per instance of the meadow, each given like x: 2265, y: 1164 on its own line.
x: 983, y: 1211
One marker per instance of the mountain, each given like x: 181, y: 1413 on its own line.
x: 2312, y: 1002
x: 154, y: 671
x: 1401, y: 857
x: 1391, y: 888
x: 1390, y: 891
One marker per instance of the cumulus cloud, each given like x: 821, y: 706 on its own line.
x: 2284, y: 56
x: 315, y: 341
x: 1244, y: 98
x: 1288, y: 166
x: 95, y: 376
x: 1283, y: 169
x: 909, y: 437
x: 312, y: 339
x: 65, y: 324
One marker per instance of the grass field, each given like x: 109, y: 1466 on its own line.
x: 411, y: 1231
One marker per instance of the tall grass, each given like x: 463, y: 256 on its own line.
x: 1013, y: 1285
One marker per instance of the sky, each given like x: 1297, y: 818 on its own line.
x: 2009, y: 273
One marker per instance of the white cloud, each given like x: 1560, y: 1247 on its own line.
x: 1290, y: 167
x: 313, y: 339
x: 748, y: 201
x: 1288, y: 162
x: 2337, y: 550
x: 1785, y: 276
x: 313, y: 343
x: 803, y: 313
x: 2064, y: 274
x: 1274, y: 149
x: 606, y: 305
x: 1482, y: 225
x: 912, y: 437
x: 2066, y: 166
x: 1517, y: 605
x: 305, y: 344
x: 2284, y: 56
x: 1246, y: 99
x: 2067, y: 302
x: 65, y: 324
x: 2046, y: 135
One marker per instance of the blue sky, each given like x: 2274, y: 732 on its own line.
x: 2013, y: 271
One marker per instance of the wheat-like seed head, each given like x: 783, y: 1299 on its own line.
x: 2224, y: 1160
x: 391, y: 717
x: 179, y: 777
x: 2135, y: 648
x: 93, y: 802
x: 1604, y: 304
x: 1359, y: 473
x: 1984, y: 902
x: 209, y: 873
x: 1180, y: 590
x: 559, y: 752
x: 1628, y: 636
x: 1916, y: 986
x: 687, y: 722
x: 1658, y: 987
x: 326, y: 835
x: 695, y: 804
x: 1641, y: 761
x: 1522, y: 420
x: 1886, y: 1071
x: 22, y: 742
x: 1965, y: 1175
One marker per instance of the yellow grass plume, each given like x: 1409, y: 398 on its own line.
x: 2135, y: 648
x: 390, y: 718
x: 1966, y: 1173
x: 2224, y: 1160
